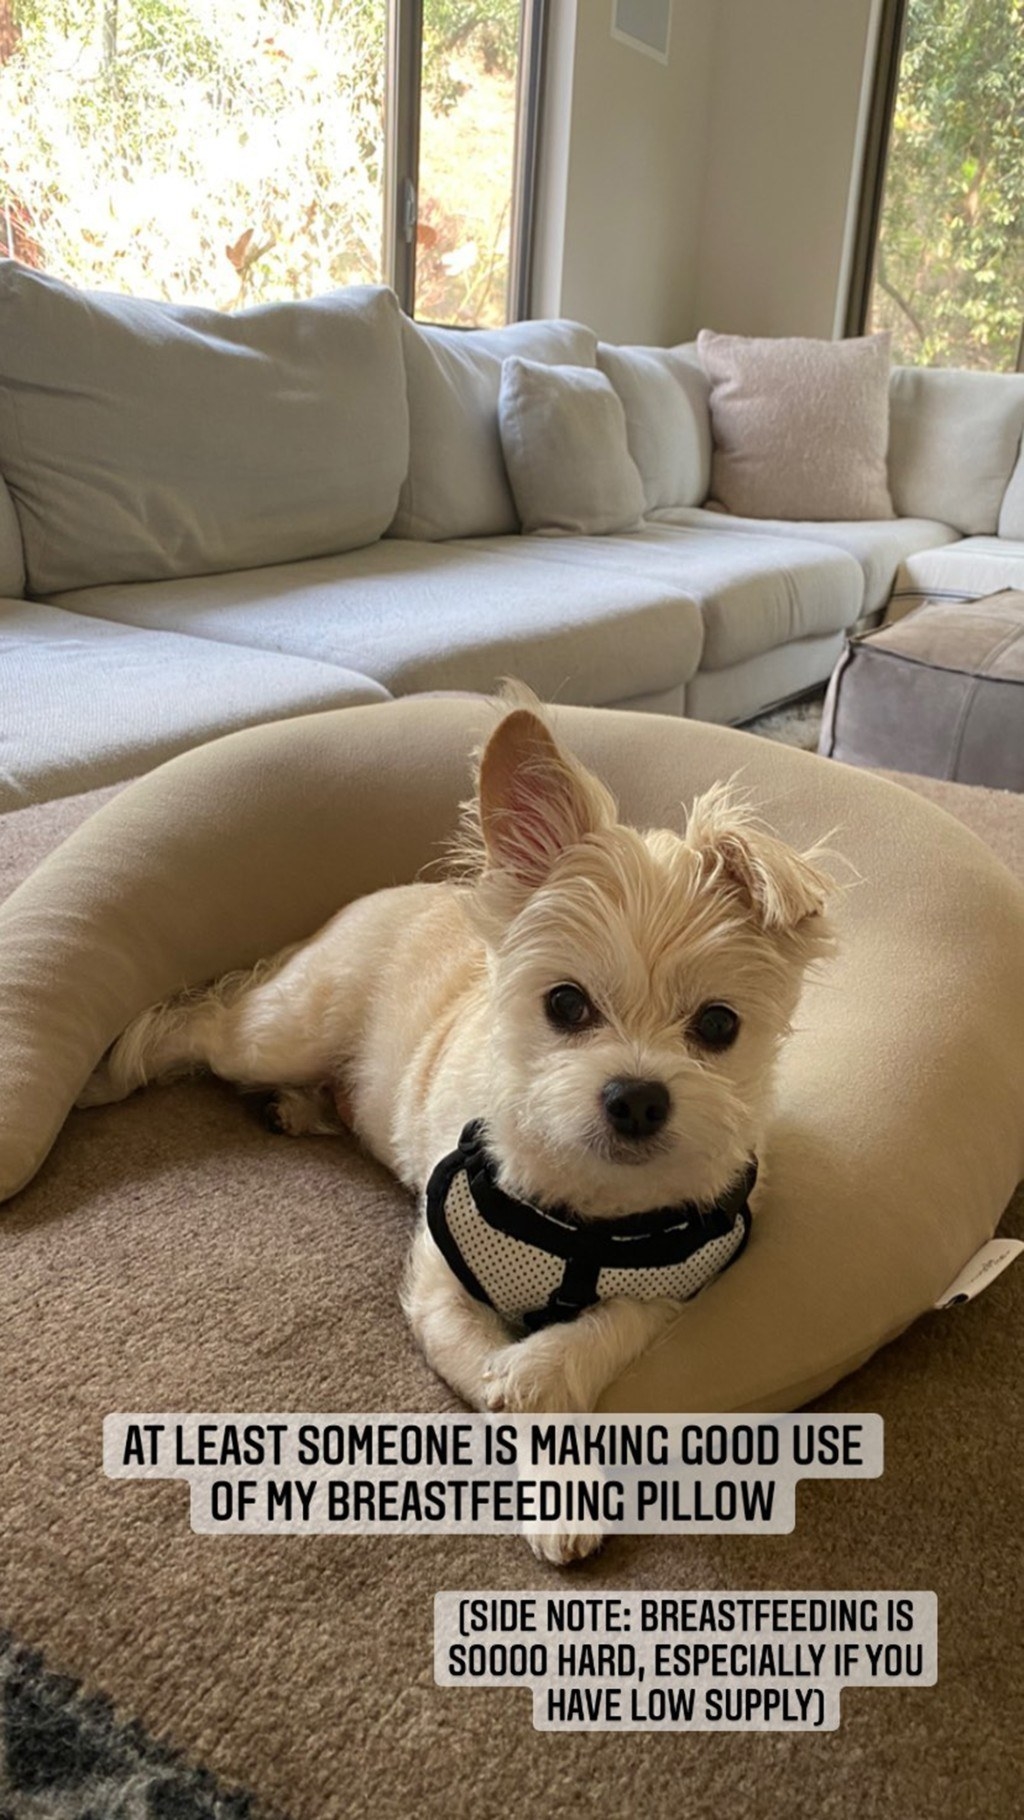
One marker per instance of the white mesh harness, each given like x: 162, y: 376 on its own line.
x: 537, y: 1265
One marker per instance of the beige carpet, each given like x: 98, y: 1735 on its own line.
x: 172, y: 1255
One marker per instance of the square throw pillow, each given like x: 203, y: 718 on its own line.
x: 801, y: 427
x: 563, y: 433
x: 664, y: 393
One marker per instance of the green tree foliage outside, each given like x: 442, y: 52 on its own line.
x: 228, y: 151
x: 949, y: 268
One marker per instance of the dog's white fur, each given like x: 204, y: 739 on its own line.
x: 421, y: 1007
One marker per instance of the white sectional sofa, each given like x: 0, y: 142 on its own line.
x: 210, y: 521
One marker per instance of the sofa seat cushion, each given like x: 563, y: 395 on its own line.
x: 753, y: 593
x: 443, y: 616
x: 878, y: 544
x: 145, y: 440
x: 967, y: 570
x: 87, y: 703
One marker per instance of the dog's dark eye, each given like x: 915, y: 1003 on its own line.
x: 569, y: 1008
x: 715, y: 1026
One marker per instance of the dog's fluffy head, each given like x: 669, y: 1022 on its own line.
x: 639, y: 984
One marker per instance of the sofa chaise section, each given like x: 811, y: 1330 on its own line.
x: 87, y: 703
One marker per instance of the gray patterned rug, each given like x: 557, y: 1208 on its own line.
x: 64, y: 1756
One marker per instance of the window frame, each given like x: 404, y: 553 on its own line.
x: 892, y: 27
x: 401, y: 162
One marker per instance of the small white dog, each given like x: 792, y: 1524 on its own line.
x: 603, y: 1009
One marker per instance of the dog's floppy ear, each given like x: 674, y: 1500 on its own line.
x: 535, y: 800
x: 780, y: 886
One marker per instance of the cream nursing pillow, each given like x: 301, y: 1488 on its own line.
x: 899, y: 1132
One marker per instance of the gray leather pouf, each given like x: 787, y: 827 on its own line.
x: 940, y: 693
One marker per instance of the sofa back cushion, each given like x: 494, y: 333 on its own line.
x: 664, y: 393
x: 146, y: 441
x: 12, y: 557
x: 953, y: 440
x: 800, y: 425
x: 1011, y: 512
x: 457, y: 485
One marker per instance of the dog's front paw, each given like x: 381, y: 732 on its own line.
x: 299, y: 1112
x: 530, y: 1377
x: 561, y: 1547
x: 522, y: 1379
x: 273, y: 1113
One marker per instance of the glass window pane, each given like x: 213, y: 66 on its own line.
x: 467, y: 161
x: 224, y: 152
x: 949, y: 265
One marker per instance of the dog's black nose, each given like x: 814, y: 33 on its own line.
x: 636, y: 1109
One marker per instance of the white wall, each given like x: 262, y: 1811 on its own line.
x: 716, y: 191
x: 782, y: 154
x: 622, y: 173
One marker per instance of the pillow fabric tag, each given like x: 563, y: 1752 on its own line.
x: 980, y: 1271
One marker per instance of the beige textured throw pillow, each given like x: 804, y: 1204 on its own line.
x: 563, y: 432
x: 801, y: 427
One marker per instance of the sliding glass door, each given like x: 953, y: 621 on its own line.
x: 231, y: 152
x: 947, y: 275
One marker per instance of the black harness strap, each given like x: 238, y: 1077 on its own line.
x: 659, y: 1240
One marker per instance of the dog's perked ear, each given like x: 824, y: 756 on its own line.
x: 781, y: 887
x: 535, y: 800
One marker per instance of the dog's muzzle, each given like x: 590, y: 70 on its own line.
x: 536, y: 1265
